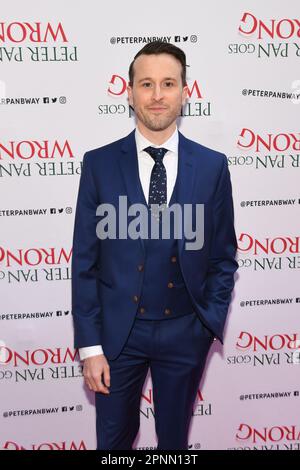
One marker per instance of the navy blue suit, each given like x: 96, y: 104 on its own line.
x: 124, y: 290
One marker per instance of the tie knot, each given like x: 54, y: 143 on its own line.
x: 156, y: 153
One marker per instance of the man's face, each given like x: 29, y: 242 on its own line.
x: 157, y: 93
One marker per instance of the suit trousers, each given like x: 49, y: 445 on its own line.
x: 175, y: 350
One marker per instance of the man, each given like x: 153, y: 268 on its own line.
x: 141, y: 303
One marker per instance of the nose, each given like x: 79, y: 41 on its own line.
x: 157, y: 92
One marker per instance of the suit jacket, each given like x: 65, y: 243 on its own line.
x: 105, y: 277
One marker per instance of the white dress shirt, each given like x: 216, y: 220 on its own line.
x: 145, y: 165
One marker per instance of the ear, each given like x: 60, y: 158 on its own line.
x: 129, y: 93
x: 184, y: 94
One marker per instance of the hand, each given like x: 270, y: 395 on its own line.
x: 93, y: 369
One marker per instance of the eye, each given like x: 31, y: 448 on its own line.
x: 146, y: 84
x: 169, y: 84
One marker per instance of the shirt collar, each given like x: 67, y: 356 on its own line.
x: 170, y: 144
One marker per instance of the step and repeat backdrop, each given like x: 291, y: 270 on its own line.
x: 63, y: 77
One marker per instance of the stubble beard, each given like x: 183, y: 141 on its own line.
x: 158, y: 122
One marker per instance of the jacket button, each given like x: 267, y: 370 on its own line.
x: 142, y: 310
x: 167, y: 311
x: 170, y: 285
x: 140, y: 267
x: 135, y: 298
x: 215, y: 339
x: 173, y: 259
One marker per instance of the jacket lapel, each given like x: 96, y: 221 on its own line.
x: 186, y: 177
x: 130, y: 171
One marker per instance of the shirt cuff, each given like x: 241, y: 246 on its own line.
x: 89, y: 351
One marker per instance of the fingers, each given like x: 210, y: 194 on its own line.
x: 97, y: 385
x: 94, y: 380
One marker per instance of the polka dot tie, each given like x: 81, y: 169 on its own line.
x: 158, y: 181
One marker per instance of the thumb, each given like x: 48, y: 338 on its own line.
x: 107, y: 377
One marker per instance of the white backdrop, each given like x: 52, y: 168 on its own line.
x: 63, y: 73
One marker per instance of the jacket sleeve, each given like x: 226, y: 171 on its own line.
x: 86, y: 309
x: 222, y: 263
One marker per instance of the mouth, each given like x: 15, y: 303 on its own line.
x: 157, y: 109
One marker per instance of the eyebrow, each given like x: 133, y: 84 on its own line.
x: 149, y: 78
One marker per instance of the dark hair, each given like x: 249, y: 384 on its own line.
x: 160, y: 47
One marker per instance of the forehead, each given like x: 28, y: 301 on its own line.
x: 157, y: 66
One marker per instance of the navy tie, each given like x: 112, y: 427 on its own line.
x: 158, y: 181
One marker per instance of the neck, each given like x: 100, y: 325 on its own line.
x: 157, y: 137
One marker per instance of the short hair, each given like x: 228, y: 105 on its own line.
x: 161, y: 47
